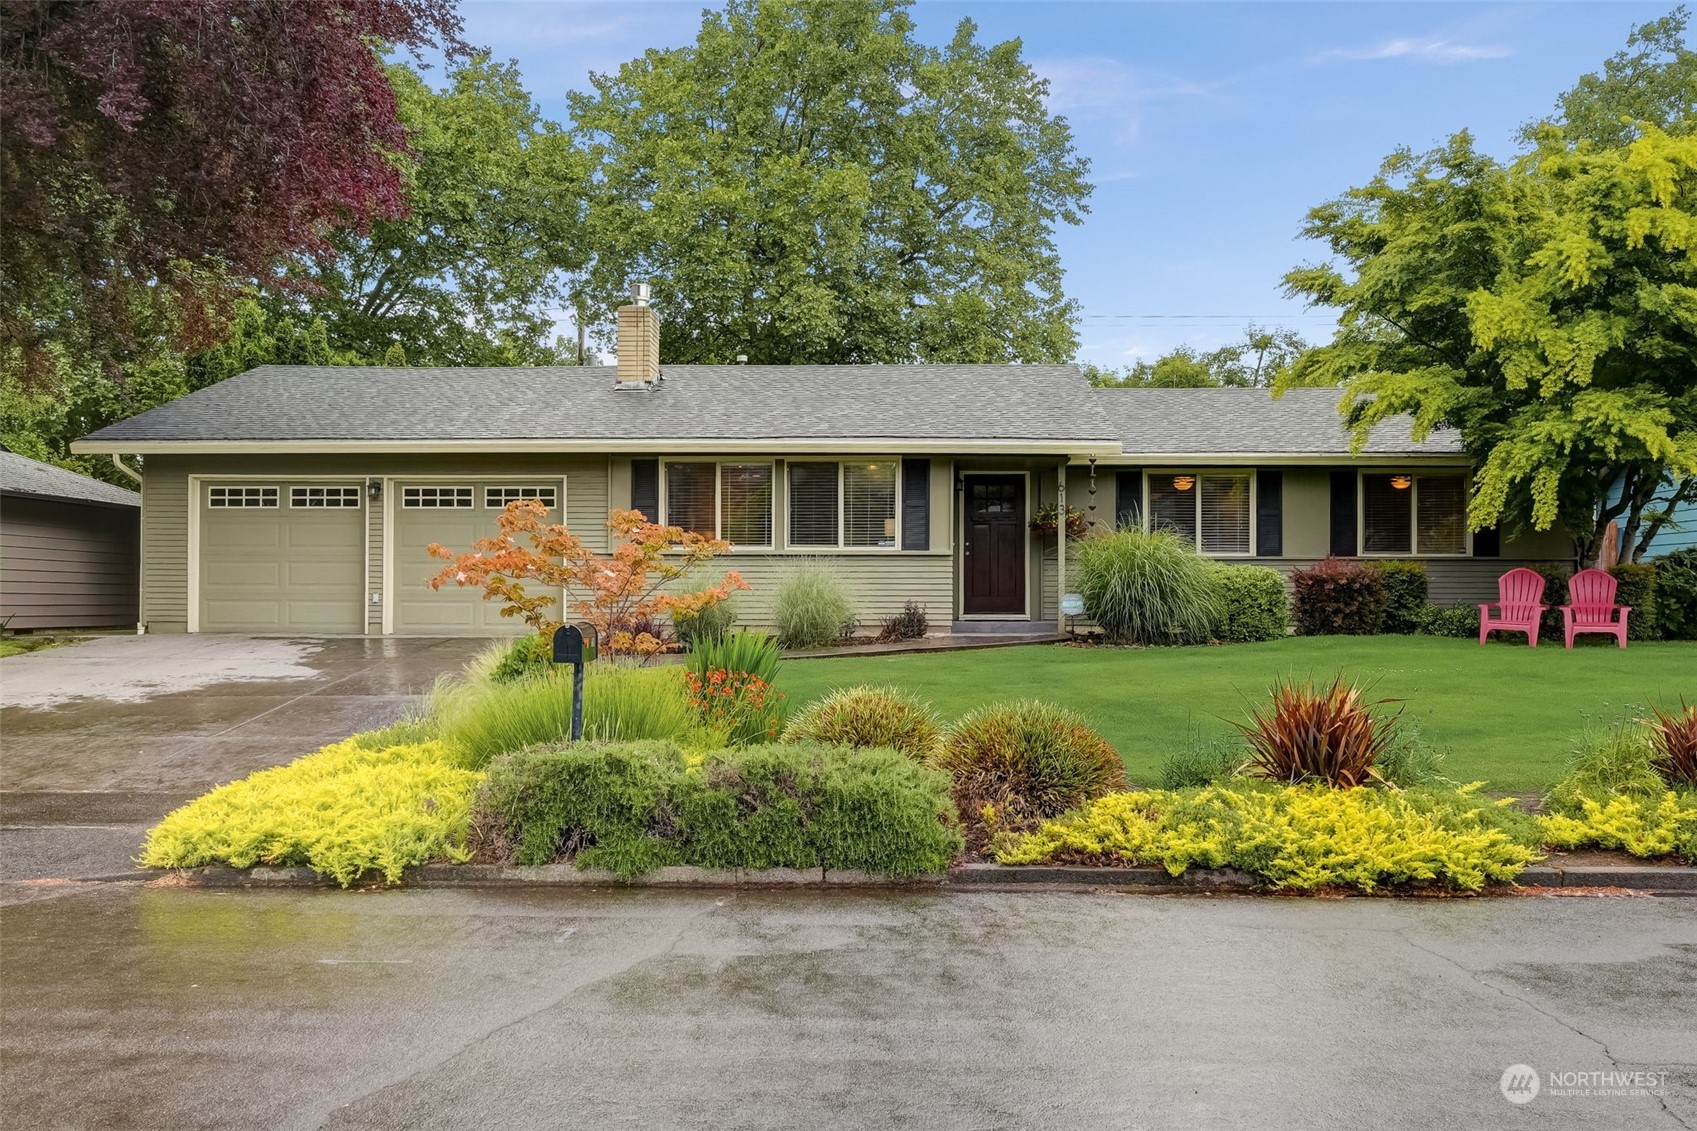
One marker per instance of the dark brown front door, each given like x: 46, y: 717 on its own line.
x: 994, y: 552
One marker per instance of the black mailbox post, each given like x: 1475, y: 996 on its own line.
x: 574, y: 644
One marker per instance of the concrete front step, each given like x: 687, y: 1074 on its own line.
x: 1004, y: 628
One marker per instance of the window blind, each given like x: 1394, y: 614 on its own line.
x: 1172, y: 504
x: 690, y: 497
x: 813, y: 504
x: 745, y: 497
x: 1441, y: 514
x: 869, y: 504
x: 1387, y: 514
x: 1225, y: 514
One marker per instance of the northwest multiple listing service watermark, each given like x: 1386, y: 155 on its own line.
x: 1521, y: 1084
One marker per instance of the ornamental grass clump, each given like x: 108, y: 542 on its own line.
x: 812, y: 608
x: 1330, y: 736
x: 869, y: 717
x: 1025, y: 761
x: 1146, y: 587
x: 345, y: 811
x: 1615, y: 796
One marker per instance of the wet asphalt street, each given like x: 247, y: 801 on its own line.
x: 159, y: 1007
x: 140, y: 1004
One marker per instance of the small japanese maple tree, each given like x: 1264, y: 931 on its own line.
x: 620, y: 593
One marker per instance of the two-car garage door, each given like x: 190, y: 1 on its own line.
x: 293, y: 557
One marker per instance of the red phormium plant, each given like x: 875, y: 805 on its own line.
x: 1333, y: 736
x: 740, y: 704
x: 1673, y: 737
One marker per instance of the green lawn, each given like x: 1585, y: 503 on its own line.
x: 1504, y: 713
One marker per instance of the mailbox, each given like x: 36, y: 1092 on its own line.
x: 574, y: 643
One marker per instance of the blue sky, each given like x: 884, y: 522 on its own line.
x: 1211, y: 128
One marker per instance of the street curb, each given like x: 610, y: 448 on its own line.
x: 999, y: 877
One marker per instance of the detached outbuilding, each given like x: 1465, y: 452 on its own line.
x: 70, y: 549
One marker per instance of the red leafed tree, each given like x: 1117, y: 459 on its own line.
x: 620, y: 594
x: 152, y: 151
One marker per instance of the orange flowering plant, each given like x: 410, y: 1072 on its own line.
x: 741, y: 705
x: 619, y: 593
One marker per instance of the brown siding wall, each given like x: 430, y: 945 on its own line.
x: 68, y: 565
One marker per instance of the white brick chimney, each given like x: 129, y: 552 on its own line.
x: 639, y: 341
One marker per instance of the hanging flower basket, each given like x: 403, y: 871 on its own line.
x: 1047, y: 521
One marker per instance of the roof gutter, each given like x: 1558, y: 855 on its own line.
x: 118, y: 462
x: 773, y: 446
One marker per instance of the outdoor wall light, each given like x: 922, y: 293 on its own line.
x: 374, y: 489
x: 1183, y: 482
x: 1402, y: 482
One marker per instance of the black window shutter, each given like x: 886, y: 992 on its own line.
x: 1269, y: 513
x: 1343, y: 514
x: 916, y: 504
x: 1128, y: 497
x: 645, y: 488
x: 1488, y: 543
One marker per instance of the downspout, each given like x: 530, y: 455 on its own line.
x: 118, y: 462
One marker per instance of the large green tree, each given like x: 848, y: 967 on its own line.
x: 473, y: 273
x: 809, y: 183
x: 1254, y: 361
x: 1546, y: 308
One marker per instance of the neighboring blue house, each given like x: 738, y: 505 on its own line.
x: 1679, y: 533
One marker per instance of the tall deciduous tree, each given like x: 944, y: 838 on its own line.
x: 472, y: 273
x: 1547, y: 309
x: 152, y: 151
x: 1254, y: 361
x: 1653, y: 80
x: 808, y: 183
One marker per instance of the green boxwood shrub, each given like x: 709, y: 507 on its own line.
x: 1405, y: 594
x: 1461, y: 621
x: 1676, y: 594
x: 1555, y: 575
x: 1339, y: 598
x: 812, y: 607
x: 1146, y: 587
x: 631, y: 808
x: 1635, y: 587
x: 1252, y: 603
x: 869, y: 717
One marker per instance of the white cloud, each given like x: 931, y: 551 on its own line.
x: 1420, y: 50
x: 1101, y: 88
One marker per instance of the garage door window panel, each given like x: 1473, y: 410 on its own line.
x: 229, y: 498
x: 333, y: 498
x: 498, y: 498
x: 436, y: 498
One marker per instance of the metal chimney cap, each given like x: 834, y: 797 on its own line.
x: 639, y: 293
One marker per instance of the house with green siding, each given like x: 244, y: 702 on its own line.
x: 295, y: 499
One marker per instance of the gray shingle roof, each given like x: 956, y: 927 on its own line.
x: 20, y: 475
x: 695, y: 402
x: 1250, y: 421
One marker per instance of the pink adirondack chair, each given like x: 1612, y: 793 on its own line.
x: 1519, y: 605
x: 1591, y: 606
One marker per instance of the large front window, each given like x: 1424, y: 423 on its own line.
x: 1208, y: 509
x: 846, y: 505
x: 1402, y: 513
x: 732, y: 501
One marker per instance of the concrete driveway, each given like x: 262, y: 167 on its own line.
x: 104, y: 737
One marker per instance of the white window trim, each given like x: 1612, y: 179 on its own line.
x: 549, y: 487
x: 357, y: 489
x: 1198, y: 473
x: 841, y: 545
x: 719, y: 497
x: 1413, y: 512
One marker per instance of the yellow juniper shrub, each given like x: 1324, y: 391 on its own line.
x: 1642, y: 826
x: 1301, y: 837
x: 343, y: 811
